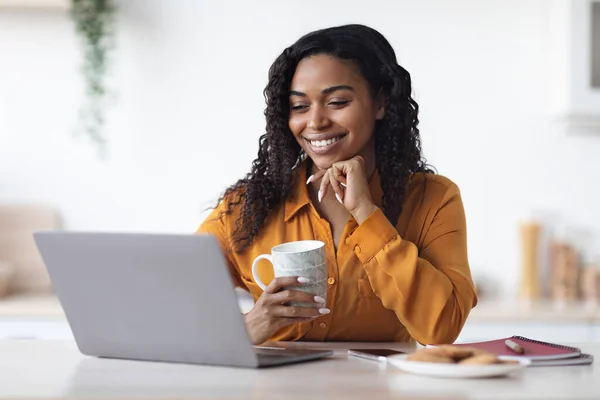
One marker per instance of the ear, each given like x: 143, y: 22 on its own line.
x: 380, y: 102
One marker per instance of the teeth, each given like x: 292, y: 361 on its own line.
x: 323, y: 143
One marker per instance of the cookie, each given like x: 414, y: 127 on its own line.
x: 460, y: 353
x: 438, y: 351
x: 427, y: 355
x: 481, y: 359
x: 508, y: 361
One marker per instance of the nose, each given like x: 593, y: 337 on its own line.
x: 318, y: 119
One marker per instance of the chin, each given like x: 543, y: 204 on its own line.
x: 322, y: 162
x: 321, y: 165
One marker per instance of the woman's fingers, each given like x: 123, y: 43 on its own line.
x: 323, y: 187
x: 316, y: 177
x: 339, y: 175
x: 320, y: 176
x: 271, y: 311
x: 297, y: 296
x: 277, y: 284
x: 334, y: 175
x: 298, y: 312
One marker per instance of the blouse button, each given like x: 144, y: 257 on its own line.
x: 331, y: 281
x: 323, y: 325
x: 357, y: 249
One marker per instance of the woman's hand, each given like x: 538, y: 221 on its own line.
x: 349, y: 182
x: 270, y: 313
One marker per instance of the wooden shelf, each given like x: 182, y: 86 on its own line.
x: 50, y: 5
x: 47, y: 305
x: 535, y: 312
x: 31, y: 306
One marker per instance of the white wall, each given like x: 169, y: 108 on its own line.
x: 489, y: 76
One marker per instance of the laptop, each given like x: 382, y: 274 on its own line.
x: 154, y: 297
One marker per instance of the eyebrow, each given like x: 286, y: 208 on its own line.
x: 329, y: 90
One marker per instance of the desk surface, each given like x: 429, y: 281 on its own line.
x: 55, y: 369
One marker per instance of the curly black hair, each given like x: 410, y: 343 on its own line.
x: 397, y: 141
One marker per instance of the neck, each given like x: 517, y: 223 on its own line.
x: 368, y: 154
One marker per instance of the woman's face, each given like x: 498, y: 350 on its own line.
x: 332, y: 111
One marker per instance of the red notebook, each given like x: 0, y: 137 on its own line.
x: 534, y: 349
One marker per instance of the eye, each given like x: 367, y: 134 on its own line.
x: 338, y: 103
x: 299, y: 107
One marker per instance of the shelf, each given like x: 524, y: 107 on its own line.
x: 48, y: 306
x: 31, y: 306
x: 544, y: 311
x: 51, y: 5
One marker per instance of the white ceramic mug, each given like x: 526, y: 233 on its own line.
x: 305, y: 258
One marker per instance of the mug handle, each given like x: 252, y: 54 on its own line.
x: 259, y: 282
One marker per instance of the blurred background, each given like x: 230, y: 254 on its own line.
x: 510, y: 110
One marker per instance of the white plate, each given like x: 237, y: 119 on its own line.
x: 440, y: 370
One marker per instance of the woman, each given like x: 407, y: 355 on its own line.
x: 341, y: 162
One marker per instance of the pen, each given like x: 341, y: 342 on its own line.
x: 517, y: 348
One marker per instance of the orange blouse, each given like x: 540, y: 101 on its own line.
x: 386, y: 283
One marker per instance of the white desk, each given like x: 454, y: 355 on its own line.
x: 35, y: 369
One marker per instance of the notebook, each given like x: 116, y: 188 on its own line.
x: 582, y: 359
x: 540, y: 353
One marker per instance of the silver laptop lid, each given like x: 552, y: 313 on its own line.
x: 148, y: 296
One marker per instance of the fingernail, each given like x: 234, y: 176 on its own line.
x: 309, y: 180
x: 320, y: 196
x: 319, y: 299
x: 337, y: 196
x: 324, y: 311
x: 303, y: 280
x: 341, y: 183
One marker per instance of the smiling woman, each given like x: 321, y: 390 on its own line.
x: 341, y: 163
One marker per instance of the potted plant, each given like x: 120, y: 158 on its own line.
x: 94, y: 23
